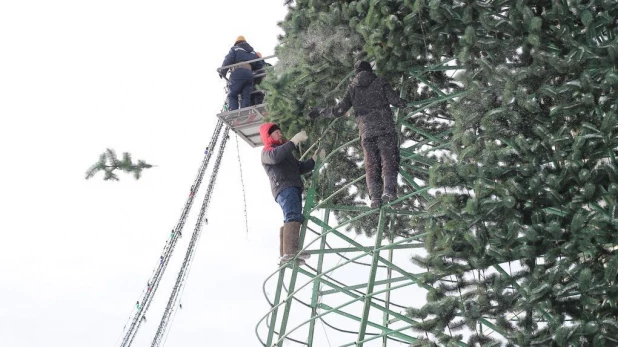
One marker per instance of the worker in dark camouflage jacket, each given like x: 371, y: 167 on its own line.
x: 371, y: 97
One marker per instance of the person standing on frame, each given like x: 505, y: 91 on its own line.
x: 371, y: 97
x: 284, y: 172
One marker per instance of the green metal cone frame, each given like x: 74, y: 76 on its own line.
x: 359, y: 289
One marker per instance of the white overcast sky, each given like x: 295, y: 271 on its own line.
x: 77, y: 77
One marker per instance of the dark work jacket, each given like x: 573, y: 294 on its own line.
x: 371, y: 97
x: 239, y: 53
x: 282, y: 168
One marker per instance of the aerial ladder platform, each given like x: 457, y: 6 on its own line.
x: 245, y: 122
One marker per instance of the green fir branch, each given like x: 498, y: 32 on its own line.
x: 109, y: 163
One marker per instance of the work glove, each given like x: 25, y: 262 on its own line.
x: 319, y: 153
x: 315, y: 113
x: 298, y: 138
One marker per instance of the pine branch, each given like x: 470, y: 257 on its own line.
x: 108, y: 163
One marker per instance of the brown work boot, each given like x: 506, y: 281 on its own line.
x: 283, y: 260
x: 304, y: 255
x: 291, y: 233
x: 281, y: 242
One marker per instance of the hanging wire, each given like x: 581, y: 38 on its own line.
x: 167, y: 334
x: 124, y: 328
x: 242, y: 184
x: 325, y: 333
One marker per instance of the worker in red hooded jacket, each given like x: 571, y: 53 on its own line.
x: 284, y: 171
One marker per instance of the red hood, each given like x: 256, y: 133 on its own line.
x: 268, y: 141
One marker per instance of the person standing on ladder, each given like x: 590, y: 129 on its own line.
x: 371, y: 97
x: 241, y: 77
x: 284, y: 172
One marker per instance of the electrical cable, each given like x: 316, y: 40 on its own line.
x: 192, y: 245
x: 170, y: 244
x: 242, y: 184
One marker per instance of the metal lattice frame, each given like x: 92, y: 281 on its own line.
x: 370, y: 313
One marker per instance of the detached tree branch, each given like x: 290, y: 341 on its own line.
x: 109, y: 162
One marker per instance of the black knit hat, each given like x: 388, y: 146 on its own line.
x: 362, y: 65
x: 273, y: 128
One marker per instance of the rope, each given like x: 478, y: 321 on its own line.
x: 242, y: 184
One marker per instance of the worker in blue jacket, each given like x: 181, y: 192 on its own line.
x: 241, y: 77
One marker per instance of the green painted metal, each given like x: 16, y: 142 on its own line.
x: 288, y: 305
x: 353, y: 249
x: 388, y: 331
x: 429, y: 102
x: 387, y: 210
x: 371, y: 283
x: 273, y: 316
x: 389, y: 279
x: 315, y: 294
x: 356, y: 298
x: 374, y: 305
x: 354, y: 291
x: 410, y: 180
x: 342, y: 189
x: 363, y: 285
x: 309, y: 203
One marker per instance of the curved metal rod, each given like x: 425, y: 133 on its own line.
x: 291, y: 295
x: 329, y: 325
x: 347, y: 303
x: 366, y: 213
x: 271, y: 304
x: 377, y: 336
x: 331, y: 279
x: 323, y: 274
x: 370, y: 334
x: 343, y: 256
x: 384, y: 247
x: 324, y: 132
x: 365, y: 250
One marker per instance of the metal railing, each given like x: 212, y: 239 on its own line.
x: 260, y: 73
